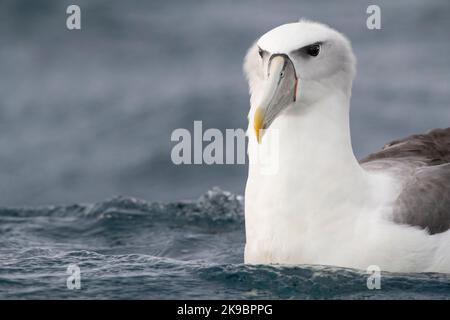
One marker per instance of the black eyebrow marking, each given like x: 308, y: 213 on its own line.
x: 302, y: 49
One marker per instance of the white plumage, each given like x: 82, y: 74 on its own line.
x: 308, y: 200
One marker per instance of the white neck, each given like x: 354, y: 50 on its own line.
x: 321, y: 207
x: 315, y: 156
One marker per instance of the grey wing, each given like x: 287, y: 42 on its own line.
x: 425, y: 200
x: 423, y: 162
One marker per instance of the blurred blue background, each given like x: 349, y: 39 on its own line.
x: 87, y: 115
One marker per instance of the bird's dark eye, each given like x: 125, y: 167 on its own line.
x: 313, y: 50
x: 261, y: 52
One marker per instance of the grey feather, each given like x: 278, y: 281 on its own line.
x: 423, y: 163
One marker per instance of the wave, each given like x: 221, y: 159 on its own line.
x: 133, y: 249
x: 215, y: 206
x: 137, y: 276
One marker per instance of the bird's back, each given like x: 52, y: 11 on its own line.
x: 422, y: 162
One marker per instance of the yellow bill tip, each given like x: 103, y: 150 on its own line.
x: 258, y: 123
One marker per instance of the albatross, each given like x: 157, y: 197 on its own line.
x: 318, y: 204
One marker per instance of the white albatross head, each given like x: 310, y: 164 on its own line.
x: 295, y: 66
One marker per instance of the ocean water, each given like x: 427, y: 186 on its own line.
x: 133, y: 249
x: 87, y: 115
